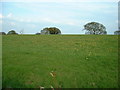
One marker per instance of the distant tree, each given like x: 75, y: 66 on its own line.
x: 51, y: 30
x: 22, y: 31
x: 95, y: 28
x: 37, y: 33
x: 12, y: 32
x: 2, y: 33
x: 117, y: 32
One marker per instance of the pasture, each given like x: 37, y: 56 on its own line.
x: 79, y: 61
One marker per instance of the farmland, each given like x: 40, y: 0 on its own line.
x: 79, y: 61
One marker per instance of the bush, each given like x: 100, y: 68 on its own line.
x: 12, y: 32
x: 2, y: 33
x: 51, y: 30
x: 37, y: 33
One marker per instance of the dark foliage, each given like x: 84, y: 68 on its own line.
x: 11, y: 32
x: 95, y: 28
x: 2, y: 33
x: 53, y: 30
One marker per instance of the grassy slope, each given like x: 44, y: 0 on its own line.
x: 78, y: 60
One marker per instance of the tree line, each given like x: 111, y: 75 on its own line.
x: 90, y: 28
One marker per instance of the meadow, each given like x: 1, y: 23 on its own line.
x: 78, y: 61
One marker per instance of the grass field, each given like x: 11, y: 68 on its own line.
x: 79, y: 61
x: 0, y: 62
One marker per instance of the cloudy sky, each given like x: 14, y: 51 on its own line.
x: 69, y: 16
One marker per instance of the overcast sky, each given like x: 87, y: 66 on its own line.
x: 70, y: 17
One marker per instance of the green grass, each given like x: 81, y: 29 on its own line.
x: 79, y: 61
x: 0, y: 62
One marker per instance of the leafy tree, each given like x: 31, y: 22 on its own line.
x: 12, y: 32
x: 117, y: 32
x: 104, y: 32
x: 37, y: 33
x: 95, y: 28
x: 2, y: 33
x: 51, y: 30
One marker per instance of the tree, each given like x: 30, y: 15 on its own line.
x: 117, y: 32
x: 51, y: 30
x: 22, y: 31
x: 2, y: 33
x: 104, y: 32
x: 37, y: 33
x: 95, y: 28
x: 12, y: 32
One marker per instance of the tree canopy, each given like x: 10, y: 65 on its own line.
x: 2, y: 33
x: 95, y: 28
x: 117, y: 32
x: 12, y: 32
x: 52, y: 30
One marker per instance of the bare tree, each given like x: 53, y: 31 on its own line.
x: 21, y: 31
